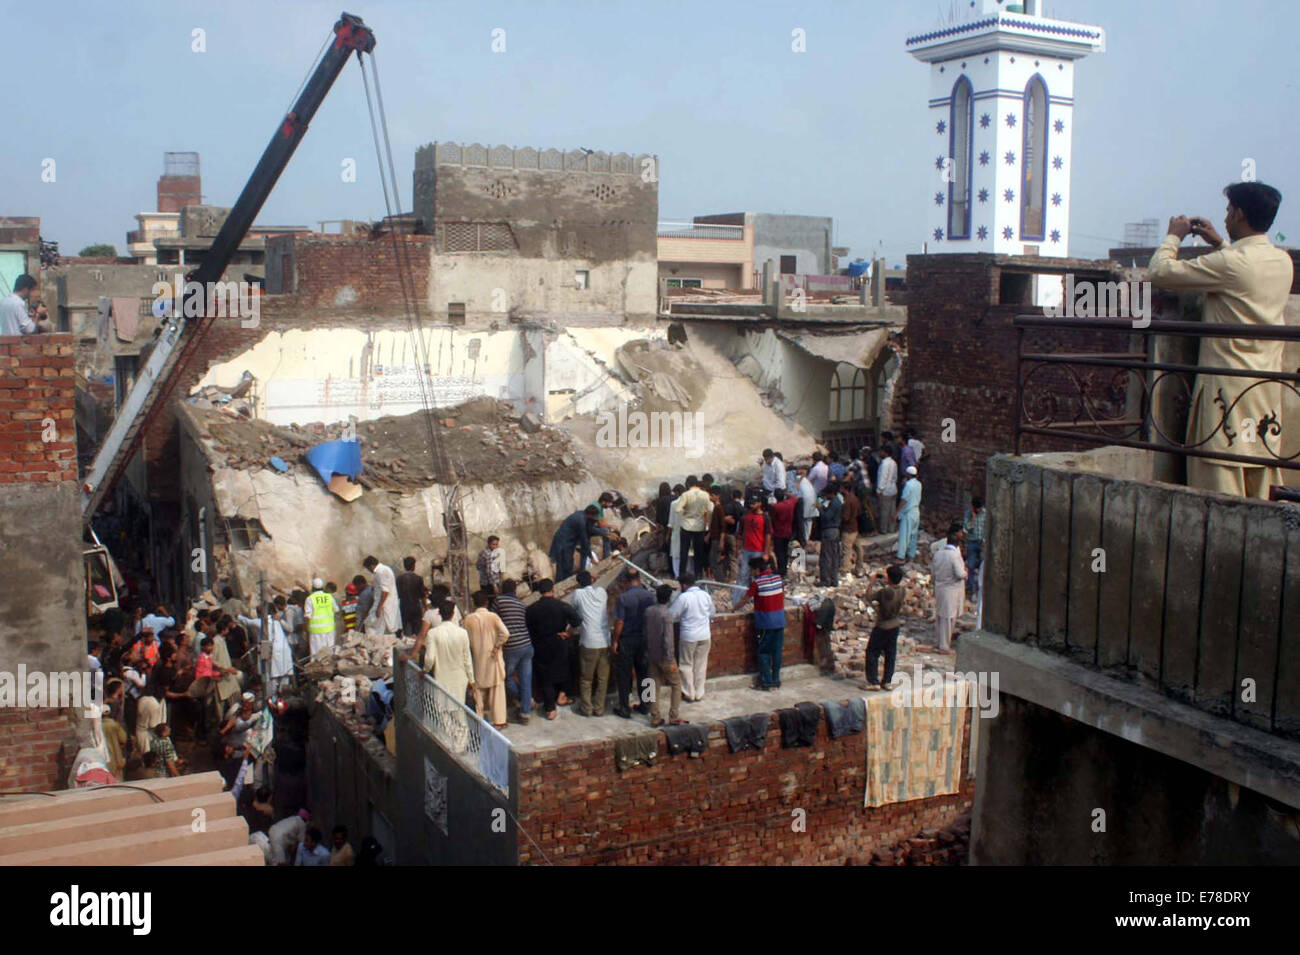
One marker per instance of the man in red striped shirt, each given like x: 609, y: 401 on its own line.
x: 767, y: 590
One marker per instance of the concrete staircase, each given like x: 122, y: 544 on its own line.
x: 186, y: 820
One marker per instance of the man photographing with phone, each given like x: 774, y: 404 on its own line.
x: 1246, y: 281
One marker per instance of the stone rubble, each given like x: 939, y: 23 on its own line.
x: 947, y: 846
x: 855, y: 615
x: 356, y: 656
x: 487, y: 441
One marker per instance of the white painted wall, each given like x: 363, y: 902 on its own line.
x: 998, y: 86
x: 327, y: 374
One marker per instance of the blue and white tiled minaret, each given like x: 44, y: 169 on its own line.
x: 1001, y: 122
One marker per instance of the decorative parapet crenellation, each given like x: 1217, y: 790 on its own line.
x: 526, y: 157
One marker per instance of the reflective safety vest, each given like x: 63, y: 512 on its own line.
x: 322, y: 613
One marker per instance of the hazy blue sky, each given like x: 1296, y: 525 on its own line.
x: 1163, y: 118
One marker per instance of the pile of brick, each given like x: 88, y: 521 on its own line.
x: 855, y: 614
x: 947, y: 846
x: 486, y: 440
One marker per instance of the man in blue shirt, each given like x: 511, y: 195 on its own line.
x: 310, y: 851
x: 629, y: 645
x: 573, y: 533
x: 909, y: 516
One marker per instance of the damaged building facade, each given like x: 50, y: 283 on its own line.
x: 532, y: 333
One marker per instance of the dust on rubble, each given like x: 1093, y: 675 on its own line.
x: 855, y: 614
x: 482, y: 441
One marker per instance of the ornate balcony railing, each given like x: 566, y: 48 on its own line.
x: 1132, y: 399
x: 700, y: 230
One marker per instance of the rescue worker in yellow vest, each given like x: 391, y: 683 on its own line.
x: 318, y: 613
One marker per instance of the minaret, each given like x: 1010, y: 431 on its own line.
x: 1000, y: 127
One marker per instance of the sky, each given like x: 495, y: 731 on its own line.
x: 1186, y: 90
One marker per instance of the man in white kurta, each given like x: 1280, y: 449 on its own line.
x: 447, y: 657
x: 1247, y: 281
x: 949, y: 572
x: 385, y: 615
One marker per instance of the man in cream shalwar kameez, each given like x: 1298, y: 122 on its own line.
x: 447, y: 657
x: 487, y: 636
x: 949, y: 572
x: 1247, y: 282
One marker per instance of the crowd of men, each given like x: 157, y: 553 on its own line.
x: 646, y: 645
x: 196, y: 678
x: 192, y: 682
x: 568, y: 652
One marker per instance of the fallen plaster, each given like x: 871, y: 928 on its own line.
x: 312, y: 533
x: 734, y: 423
x: 582, y: 374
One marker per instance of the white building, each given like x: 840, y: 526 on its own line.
x: 1002, y: 118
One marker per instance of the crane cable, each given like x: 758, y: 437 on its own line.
x: 445, y: 474
x: 457, y: 540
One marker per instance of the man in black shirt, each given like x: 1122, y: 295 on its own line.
x: 410, y: 590
x: 551, y: 622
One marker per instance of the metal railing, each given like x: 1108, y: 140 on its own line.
x: 700, y: 230
x: 1113, y: 397
x: 462, y: 733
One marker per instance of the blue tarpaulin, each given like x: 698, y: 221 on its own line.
x: 859, y: 268
x: 336, y: 457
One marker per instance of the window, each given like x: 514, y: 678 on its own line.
x: 456, y: 313
x: 476, y: 237
x: 789, y: 265
x: 582, y: 279
x: 848, y: 394
x: 685, y: 283
x: 960, y: 120
x: 1033, y: 176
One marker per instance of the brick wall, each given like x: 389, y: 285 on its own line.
x: 961, y: 364
x: 37, y: 399
x: 734, y: 649
x: 723, y: 808
x: 19, y: 229
x: 34, y: 746
x: 177, y: 192
x: 345, y: 279
x: 42, y: 622
x: 348, y: 271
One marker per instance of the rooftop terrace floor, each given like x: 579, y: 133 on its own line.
x: 725, y: 697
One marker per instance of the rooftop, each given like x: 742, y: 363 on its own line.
x: 726, y: 696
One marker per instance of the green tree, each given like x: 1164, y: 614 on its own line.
x: 100, y: 250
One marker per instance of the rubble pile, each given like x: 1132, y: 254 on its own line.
x: 356, y: 654
x: 485, y: 438
x: 855, y: 614
x: 947, y: 846
x: 343, y: 692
